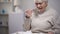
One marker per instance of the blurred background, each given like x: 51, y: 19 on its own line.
x: 11, y: 20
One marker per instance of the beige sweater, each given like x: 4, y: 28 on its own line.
x: 44, y: 22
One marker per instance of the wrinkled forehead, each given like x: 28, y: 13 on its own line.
x: 40, y: 1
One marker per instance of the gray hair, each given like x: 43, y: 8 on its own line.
x: 41, y: 1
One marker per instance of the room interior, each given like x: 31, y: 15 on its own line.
x: 12, y: 21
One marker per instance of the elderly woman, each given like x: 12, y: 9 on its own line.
x: 42, y: 19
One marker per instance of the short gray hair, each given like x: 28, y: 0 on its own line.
x: 41, y: 1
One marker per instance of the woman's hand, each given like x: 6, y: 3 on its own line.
x: 28, y: 13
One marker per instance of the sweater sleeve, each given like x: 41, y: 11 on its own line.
x: 56, y: 23
x: 27, y: 25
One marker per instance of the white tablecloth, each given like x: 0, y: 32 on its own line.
x: 27, y: 32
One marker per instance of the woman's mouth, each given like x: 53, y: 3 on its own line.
x: 40, y: 8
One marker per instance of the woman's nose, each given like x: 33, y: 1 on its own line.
x: 38, y: 5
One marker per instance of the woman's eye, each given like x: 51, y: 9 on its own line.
x: 38, y: 3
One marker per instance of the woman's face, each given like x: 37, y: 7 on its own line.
x: 41, y: 6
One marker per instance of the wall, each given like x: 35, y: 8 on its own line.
x: 55, y: 4
x: 27, y: 4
